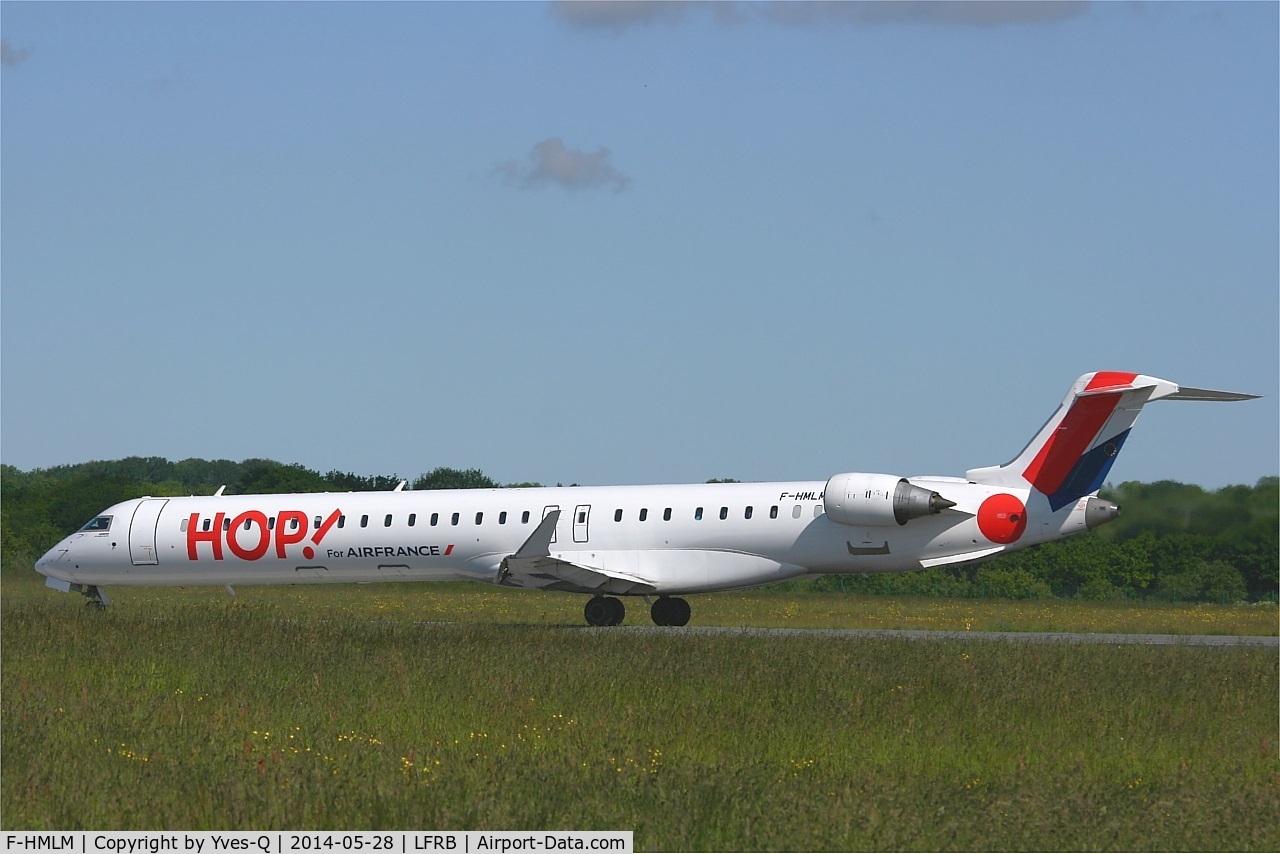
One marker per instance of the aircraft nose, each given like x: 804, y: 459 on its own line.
x: 58, y: 557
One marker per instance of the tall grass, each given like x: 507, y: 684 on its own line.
x: 189, y: 711
x: 775, y: 607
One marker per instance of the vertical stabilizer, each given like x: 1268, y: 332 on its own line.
x: 1071, y: 455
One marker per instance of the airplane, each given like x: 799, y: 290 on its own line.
x: 658, y: 542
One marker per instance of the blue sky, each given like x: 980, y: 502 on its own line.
x: 634, y: 243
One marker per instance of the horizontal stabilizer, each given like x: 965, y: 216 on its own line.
x: 929, y: 563
x: 1185, y: 393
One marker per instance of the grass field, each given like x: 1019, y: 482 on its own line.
x: 466, y: 707
x: 775, y: 607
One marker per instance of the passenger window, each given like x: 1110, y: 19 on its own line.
x: 342, y: 521
x: 795, y: 512
x: 666, y: 515
x: 248, y: 523
x: 724, y: 512
x: 318, y: 522
x: 479, y: 518
x: 413, y: 519
x: 582, y: 517
x: 524, y: 518
x: 183, y: 526
x: 617, y: 515
x: 208, y: 523
x: 386, y: 523
x: 502, y: 518
x: 226, y: 524
x: 747, y: 513
x: 697, y: 514
x: 817, y: 510
x: 435, y: 519
x: 293, y: 523
x: 271, y: 523
x: 364, y: 521
x: 644, y: 513
x: 773, y: 512
x: 456, y: 517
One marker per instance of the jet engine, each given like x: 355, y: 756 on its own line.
x: 876, y: 500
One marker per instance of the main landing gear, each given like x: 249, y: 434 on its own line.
x: 604, y: 611
x: 670, y: 611
x: 609, y: 611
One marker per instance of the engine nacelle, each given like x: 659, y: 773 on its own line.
x: 877, y: 500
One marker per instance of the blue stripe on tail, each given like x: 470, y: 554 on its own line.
x: 1089, y: 472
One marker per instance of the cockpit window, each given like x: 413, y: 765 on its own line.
x: 101, y: 523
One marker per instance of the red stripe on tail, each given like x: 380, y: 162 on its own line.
x: 1073, y: 437
x: 1110, y: 379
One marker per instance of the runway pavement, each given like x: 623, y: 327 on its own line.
x: 1006, y: 637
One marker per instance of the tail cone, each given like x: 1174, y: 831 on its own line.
x: 1099, y: 511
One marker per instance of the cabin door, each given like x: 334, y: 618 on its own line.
x: 581, y: 515
x: 546, y: 511
x: 142, y: 531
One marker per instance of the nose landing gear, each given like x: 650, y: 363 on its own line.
x: 96, y: 598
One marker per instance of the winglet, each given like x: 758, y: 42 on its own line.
x: 539, y: 542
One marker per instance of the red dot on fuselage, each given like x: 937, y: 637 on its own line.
x: 308, y: 552
x: 1002, y: 518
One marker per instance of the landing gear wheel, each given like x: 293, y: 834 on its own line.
x: 596, y: 612
x: 604, y: 611
x: 670, y: 611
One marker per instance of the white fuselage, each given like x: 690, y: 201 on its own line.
x: 611, y: 541
x: 675, y: 539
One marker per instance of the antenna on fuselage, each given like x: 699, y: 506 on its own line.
x: 400, y: 486
x: 219, y: 492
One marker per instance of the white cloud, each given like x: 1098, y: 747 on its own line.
x: 618, y: 15
x: 10, y: 56
x: 550, y: 162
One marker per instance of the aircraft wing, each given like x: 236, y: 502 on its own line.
x: 533, y: 566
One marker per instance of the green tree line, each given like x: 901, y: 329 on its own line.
x: 1172, y: 540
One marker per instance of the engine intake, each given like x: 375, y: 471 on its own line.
x: 877, y: 500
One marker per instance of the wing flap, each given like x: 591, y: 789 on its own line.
x: 550, y: 573
x: 533, y: 566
